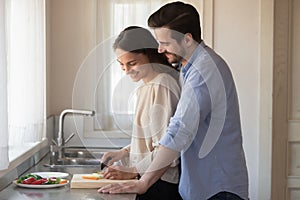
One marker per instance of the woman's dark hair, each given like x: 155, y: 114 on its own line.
x: 177, y: 16
x: 136, y: 39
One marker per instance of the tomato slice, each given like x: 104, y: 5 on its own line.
x: 40, y: 182
x: 28, y: 180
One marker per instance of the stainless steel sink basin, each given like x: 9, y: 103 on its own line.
x: 78, y: 161
x: 85, y: 152
x: 75, y: 162
x: 78, y: 157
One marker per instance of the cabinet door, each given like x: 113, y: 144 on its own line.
x: 293, y: 157
x: 286, y: 101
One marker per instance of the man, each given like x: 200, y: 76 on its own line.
x: 206, y: 127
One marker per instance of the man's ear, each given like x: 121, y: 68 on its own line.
x: 188, y: 39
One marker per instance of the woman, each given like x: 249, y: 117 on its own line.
x: 157, y: 98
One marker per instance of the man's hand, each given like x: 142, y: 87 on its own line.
x: 158, y: 167
x: 135, y: 186
x: 120, y: 172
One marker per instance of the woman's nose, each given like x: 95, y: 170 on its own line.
x: 126, y: 69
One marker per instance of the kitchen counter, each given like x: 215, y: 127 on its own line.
x: 13, y: 192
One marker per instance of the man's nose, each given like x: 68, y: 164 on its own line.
x: 160, y: 49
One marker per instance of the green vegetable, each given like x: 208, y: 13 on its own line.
x: 57, y: 181
x: 37, y: 177
x: 53, y: 180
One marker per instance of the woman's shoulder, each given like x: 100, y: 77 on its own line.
x: 164, y: 80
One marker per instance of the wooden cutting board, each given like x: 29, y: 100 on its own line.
x: 79, y: 182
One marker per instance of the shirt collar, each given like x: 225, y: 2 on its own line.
x: 192, y: 58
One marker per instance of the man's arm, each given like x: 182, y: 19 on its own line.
x: 158, y: 167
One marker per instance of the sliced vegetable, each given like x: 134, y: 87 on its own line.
x: 63, y: 181
x: 35, y: 179
x: 40, y: 181
x: 21, y: 179
x: 90, y: 177
x: 94, y: 176
x: 53, y: 180
x: 29, y: 180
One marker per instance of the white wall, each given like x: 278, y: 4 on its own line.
x: 235, y: 34
x: 71, y: 36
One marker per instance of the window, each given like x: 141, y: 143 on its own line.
x: 24, y: 78
x: 116, y: 107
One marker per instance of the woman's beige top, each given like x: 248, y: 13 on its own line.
x: 156, y: 104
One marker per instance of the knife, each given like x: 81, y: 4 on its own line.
x: 104, y: 164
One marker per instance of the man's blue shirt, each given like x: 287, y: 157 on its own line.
x: 206, y: 129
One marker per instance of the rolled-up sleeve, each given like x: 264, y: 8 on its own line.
x: 194, y: 105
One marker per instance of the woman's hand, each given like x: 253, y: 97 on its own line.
x: 120, y: 172
x: 113, y: 156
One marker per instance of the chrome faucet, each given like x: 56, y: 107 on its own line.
x: 60, y: 136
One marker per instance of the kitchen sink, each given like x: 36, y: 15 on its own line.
x: 84, y: 152
x: 74, y: 162
x: 78, y: 161
x: 78, y: 157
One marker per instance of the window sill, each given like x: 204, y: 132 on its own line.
x: 20, y: 155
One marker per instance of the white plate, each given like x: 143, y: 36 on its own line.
x: 51, y: 174
x: 40, y: 186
